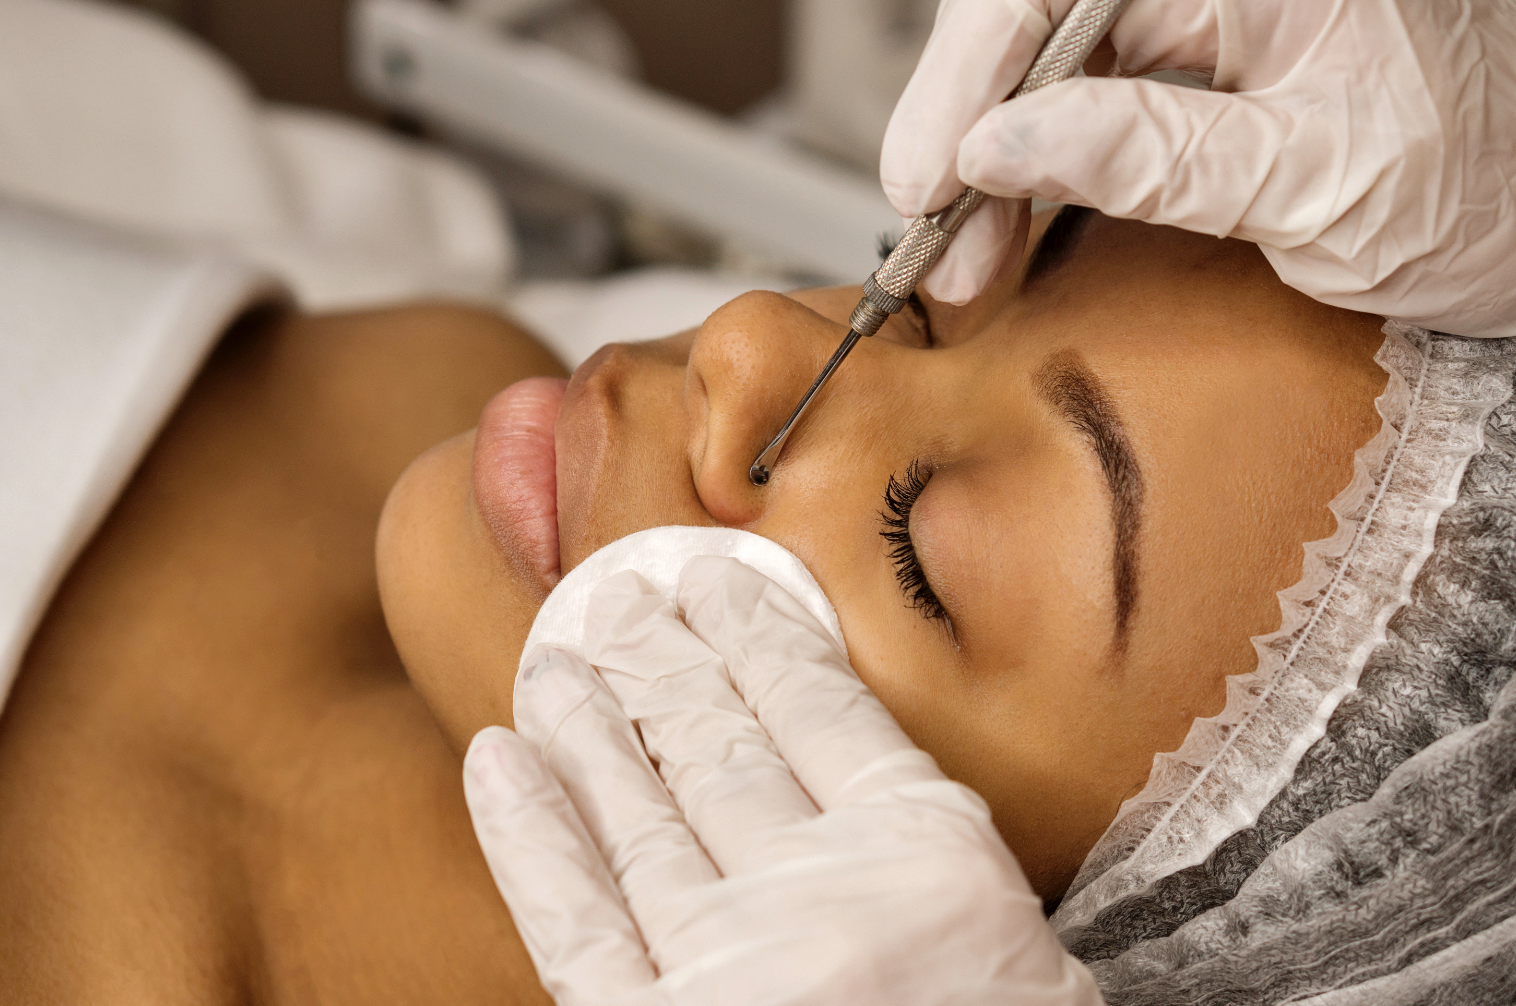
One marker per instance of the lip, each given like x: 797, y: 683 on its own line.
x: 515, y: 475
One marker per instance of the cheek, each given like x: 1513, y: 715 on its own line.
x: 622, y: 454
x: 1022, y: 561
x: 910, y: 664
x: 832, y: 524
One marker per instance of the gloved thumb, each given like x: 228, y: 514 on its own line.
x: 1143, y: 150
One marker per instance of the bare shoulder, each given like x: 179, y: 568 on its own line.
x: 216, y: 783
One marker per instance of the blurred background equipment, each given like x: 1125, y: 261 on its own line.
x: 721, y: 56
x: 756, y: 193
x: 819, y: 75
x: 617, y: 168
x: 119, y: 119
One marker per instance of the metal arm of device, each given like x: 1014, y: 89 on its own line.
x: 620, y: 137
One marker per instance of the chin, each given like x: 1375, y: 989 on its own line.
x: 457, y: 611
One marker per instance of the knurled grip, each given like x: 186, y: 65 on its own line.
x: 912, y: 258
x: 887, y: 291
x: 1065, y: 52
x: 923, y: 245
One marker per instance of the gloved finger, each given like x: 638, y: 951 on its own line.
x: 565, y: 708
x: 1172, y: 35
x: 835, y: 735
x: 729, y: 781
x: 565, y: 904
x: 812, y: 924
x: 1168, y: 155
x: 978, y: 52
x: 854, y: 877
x: 995, y: 233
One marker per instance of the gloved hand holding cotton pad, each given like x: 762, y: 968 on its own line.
x: 656, y: 843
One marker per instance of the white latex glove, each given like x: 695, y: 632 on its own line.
x: 809, y: 852
x: 1368, y: 146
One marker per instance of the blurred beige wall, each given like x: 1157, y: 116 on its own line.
x: 723, y: 54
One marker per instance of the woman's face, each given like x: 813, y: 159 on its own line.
x: 1049, y: 520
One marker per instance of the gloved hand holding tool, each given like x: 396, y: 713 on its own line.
x: 818, y: 857
x: 1368, y: 146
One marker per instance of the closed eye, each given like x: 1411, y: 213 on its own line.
x: 900, y: 496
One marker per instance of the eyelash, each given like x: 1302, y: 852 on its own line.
x: 899, y: 497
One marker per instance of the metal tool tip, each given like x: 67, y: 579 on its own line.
x: 758, y: 475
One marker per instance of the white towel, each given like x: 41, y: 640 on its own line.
x: 112, y: 114
x: 100, y: 334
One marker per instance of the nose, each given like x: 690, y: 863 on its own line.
x: 749, y: 364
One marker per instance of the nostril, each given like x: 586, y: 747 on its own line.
x: 748, y: 366
x: 758, y: 473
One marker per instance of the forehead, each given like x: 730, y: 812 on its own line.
x: 1102, y: 280
x: 1157, y: 307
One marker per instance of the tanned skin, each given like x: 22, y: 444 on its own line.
x: 216, y: 783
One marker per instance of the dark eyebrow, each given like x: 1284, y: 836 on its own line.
x: 1067, y: 385
x: 1057, y: 243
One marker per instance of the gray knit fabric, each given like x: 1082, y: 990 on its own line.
x: 1382, y: 871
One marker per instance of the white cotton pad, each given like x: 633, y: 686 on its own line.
x: 659, y: 554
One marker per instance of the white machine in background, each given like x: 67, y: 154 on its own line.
x: 796, y: 209
x: 122, y: 118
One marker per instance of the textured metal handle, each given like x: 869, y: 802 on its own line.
x: 887, y: 291
x: 1065, y: 52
